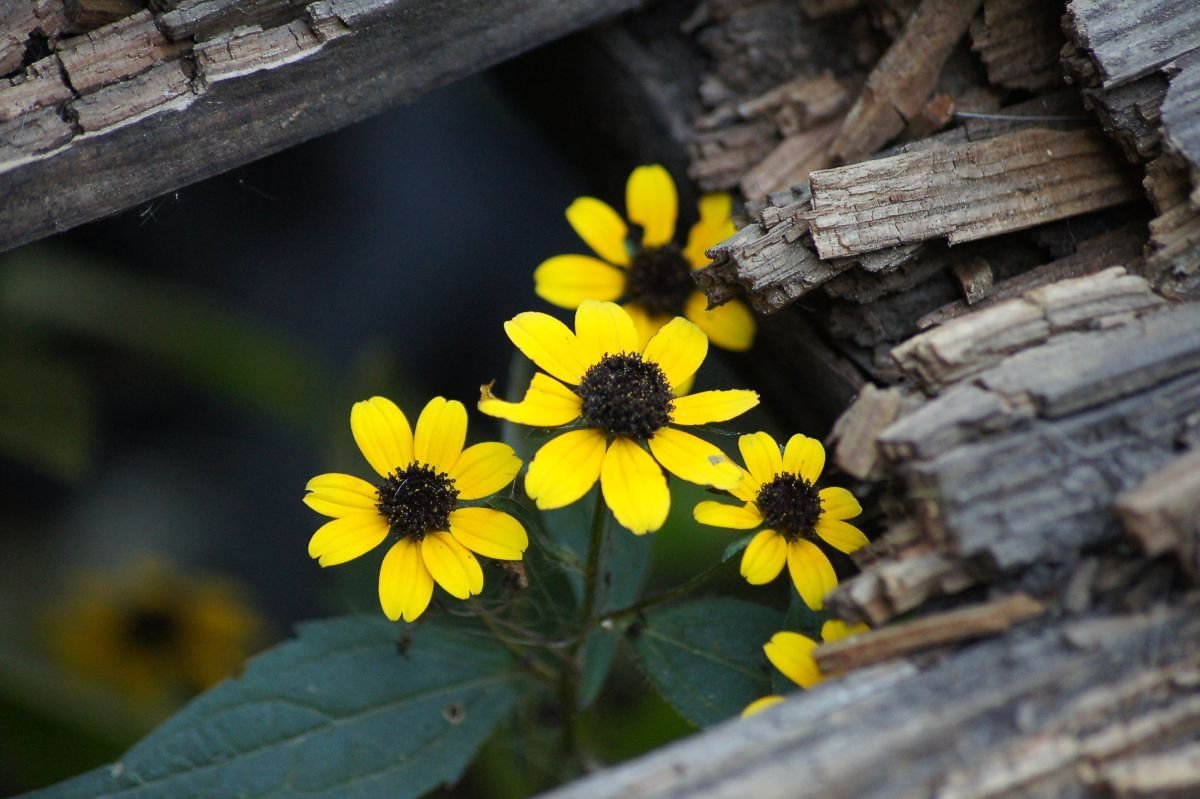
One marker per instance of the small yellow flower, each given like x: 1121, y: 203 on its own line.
x: 780, y: 494
x: 792, y: 654
x: 153, y: 635
x: 622, y: 394
x: 425, y: 475
x: 651, y: 272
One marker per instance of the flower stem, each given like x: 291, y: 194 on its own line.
x: 592, y: 566
x: 535, y: 666
x: 666, y: 596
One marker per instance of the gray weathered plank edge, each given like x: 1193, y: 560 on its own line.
x: 395, y: 56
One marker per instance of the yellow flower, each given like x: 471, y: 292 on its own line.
x: 154, y: 635
x: 622, y: 394
x: 425, y: 474
x: 651, y: 272
x: 780, y: 494
x: 792, y: 654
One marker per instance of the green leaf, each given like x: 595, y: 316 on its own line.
x: 355, y: 707
x: 46, y: 418
x: 705, y: 657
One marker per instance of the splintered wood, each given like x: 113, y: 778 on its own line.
x: 1162, y: 513
x: 1019, y: 41
x: 972, y: 191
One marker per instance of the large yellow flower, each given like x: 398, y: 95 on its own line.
x: 620, y: 397
x: 425, y: 474
x: 780, y: 494
x: 651, y: 272
x: 792, y: 654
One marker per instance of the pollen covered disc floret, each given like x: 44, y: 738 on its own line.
x: 626, y: 395
x: 660, y: 280
x: 790, y: 505
x: 425, y: 473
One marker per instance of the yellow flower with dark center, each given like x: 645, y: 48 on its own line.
x: 620, y: 395
x: 792, y: 654
x: 425, y: 475
x: 780, y: 494
x: 651, y: 272
x: 153, y: 635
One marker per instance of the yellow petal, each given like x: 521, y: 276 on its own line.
x: 382, y: 433
x: 811, y: 572
x: 547, y: 403
x: 646, y: 324
x: 452, y: 565
x: 730, y: 326
x: 761, y: 455
x: 565, y: 468
x: 712, y: 406
x: 804, y: 456
x: 759, y: 705
x: 694, y: 459
x: 405, y: 584
x: 441, y: 432
x: 679, y: 348
x: 634, y: 487
x: 548, y: 343
x: 601, y: 228
x: 792, y: 654
x: 651, y: 201
x: 747, y: 488
x: 348, y: 537
x: 484, y: 469
x: 488, y: 532
x: 339, y: 495
x: 604, y: 328
x: 838, y: 503
x: 764, y: 557
x: 734, y: 517
x: 836, y: 629
x: 715, y: 226
x: 842, y: 536
x: 567, y: 280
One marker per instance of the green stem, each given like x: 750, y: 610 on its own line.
x: 592, y: 566
x: 666, y: 596
x: 534, y: 665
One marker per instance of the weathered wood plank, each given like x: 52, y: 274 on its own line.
x: 1162, y: 513
x: 1018, y: 42
x: 373, y: 54
x: 1128, y: 40
x: 975, y: 190
x: 1181, y: 113
x: 1042, y: 703
x: 24, y: 23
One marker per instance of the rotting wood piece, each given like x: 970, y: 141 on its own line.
x: 1041, y: 702
x: 114, y: 52
x: 86, y: 15
x: 1010, y: 182
x: 378, y: 56
x: 899, y: 584
x: 904, y: 78
x: 1065, y: 426
x: 1019, y: 42
x: 929, y: 632
x: 856, y: 430
x: 1129, y: 40
x: 23, y: 26
x: 1181, y: 114
x: 40, y: 86
x: 1162, y: 513
x: 1172, y: 773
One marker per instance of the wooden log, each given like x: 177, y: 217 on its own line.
x: 1162, y: 513
x: 1020, y: 715
x: 980, y: 189
x: 904, y: 78
x: 374, y: 54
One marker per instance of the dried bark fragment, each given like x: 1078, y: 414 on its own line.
x: 24, y: 23
x: 1181, y: 115
x: 86, y: 15
x: 248, y: 50
x: 1162, y: 513
x: 1173, y: 256
x: 980, y: 189
x: 1019, y: 42
x: 40, y: 86
x: 32, y: 134
x: 904, y: 78
x: 857, y: 428
x: 158, y: 88
x: 200, y: 19
x: 928, y: 632
x: 1170, y: 774
x: 900, y: 584
x: 791, y: 162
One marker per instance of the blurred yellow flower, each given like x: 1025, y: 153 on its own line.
x: 153, y: 635
x: 622, y: 395
x: 425, y: 474
x: 792, y: 654
x: 649, y: 271
x: 779, y: 493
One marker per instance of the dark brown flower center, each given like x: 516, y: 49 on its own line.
x: 625, y: 395
x: 417, y: 500
x: 151, y: 628
x: 790, y: 505
x: 660, y: 280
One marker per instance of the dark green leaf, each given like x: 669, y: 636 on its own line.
x: 355, y: 707
x: 705, y: 657
x: 45, y: 413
